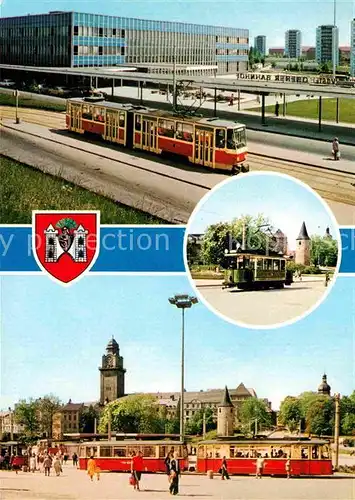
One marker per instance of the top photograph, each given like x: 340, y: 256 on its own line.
x: 140, y: 111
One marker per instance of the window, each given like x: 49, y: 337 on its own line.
x: 114, y: 32
x: 123, y: 33
x: 101, y: 51
x: 283, y: 265
x: 76, y: 50
x: 76, y: 30
x: 105, y: 451
x: 259, y: 264
x: 148, y: 451
x: 184, y: 132
x: 122, y: 51
x: 267, y: 264
x: 166, y: 128
x: 101, y: 32
x: 276, y: 265
x: 87, y: 112
x: 121, y: 119
x: 220, y: 138
x: 138, y: 122
x: 119, y: 452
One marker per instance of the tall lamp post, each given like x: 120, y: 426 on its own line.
x: 182, y: 302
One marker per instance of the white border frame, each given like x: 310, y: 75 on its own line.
x: 289, y: 322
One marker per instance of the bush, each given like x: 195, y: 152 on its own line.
x: 349, y: 442
x: 293, y: 267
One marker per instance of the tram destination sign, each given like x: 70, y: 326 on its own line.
x: 282, y: 78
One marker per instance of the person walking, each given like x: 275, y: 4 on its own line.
x: 259, y: 467
x: 174, y: 475
x: 277, y: 108
x: 91, y: 468
x: 137, y: 468
x: 57, y: 466
x: 167, y: 461
x: 327, y: 278
x: 47, y: 464
x: 75, y: 459
x: 288, y: 468
x: 33, y: 463
x: 336, y: 149
x: 65, y: 457
x: 224, y: 470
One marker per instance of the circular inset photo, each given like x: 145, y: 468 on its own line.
x: 262, y: 249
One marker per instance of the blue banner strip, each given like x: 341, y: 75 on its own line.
x: 130, y: 249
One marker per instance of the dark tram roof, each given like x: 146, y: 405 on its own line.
x: 158, y: 113
x: 264, y: 441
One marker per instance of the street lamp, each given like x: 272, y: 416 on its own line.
x: 182, y: 302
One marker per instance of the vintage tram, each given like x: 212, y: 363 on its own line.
x: 308, y: 457
x: 248, y: 270
x: 209, y: 142
x: 116, y: 455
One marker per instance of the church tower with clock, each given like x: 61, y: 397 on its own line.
x: 112, y: 373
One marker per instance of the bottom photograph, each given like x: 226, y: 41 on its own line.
x: 130, y: 383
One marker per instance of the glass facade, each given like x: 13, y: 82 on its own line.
x: 260, y: 44
x: 84, y: 40
x: 293, y: 44
x: 327, y: 44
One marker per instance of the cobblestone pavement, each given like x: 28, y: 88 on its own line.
x: 74, y: 484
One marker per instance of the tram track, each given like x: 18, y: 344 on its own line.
x: 331, y: 183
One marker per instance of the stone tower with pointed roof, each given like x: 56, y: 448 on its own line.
x: 324, y: 387
x: 303, y: 247
x: 225, y: 416
x: 112, y: 373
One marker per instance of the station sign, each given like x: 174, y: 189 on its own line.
x: 282, y: 78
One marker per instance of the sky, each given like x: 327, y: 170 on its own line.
x: 262, y: 17
x: 283, y: 201
x: 53, y: 339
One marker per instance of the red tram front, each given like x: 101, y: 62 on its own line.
x: 117, y: 455
x: 209, y: 142
x: 309, y: 457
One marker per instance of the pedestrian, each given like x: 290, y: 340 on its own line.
x: 259, y: 467
x: 167, y: 461
x: 47, y: 464
x: 33, y: 463
x: 40, y: 462
x: 277, y: 108
x: 223, y: 470
x: 288, y: 468
x: 65, y: 458
x: 327, y: 278
x: 336, y: 149
x: 91, y: 468
x: 174, y: 474
x: 75, y: 459
x: 137, y: 468
x: 231, y: 100
x: 57, y: 466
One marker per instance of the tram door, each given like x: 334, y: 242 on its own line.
x: 75, y: 117
x: 149, y: 134
x: 111, y: 125
x: 204, y: 147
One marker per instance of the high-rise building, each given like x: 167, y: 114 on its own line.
x: 327, y: 44
x: 293, y: 43
x: 352, y: 50
x: 73, y: 39
x: 260, y: 44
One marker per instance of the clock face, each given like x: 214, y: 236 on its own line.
x: 110, y: 361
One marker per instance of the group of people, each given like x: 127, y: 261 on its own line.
x: 42, y: 461
x: 260, y: 464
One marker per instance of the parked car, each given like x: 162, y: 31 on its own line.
x: 59, y: 91
x: 7, y: 83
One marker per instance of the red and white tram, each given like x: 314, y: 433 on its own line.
x: 209, y: 142
x: 117, y: 455
x: 309, y: 457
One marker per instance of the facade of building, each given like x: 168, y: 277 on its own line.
x: 67, y: 419
x: 303, y: 247
x: 73, y: 39
x: 293, y: 44
x: 225, y: 416
x: 352, y: 45
x: 8, y: 426
x: 112, y: 374
x: 327, y: 44
x: 276, y: 51
x: 309, y: 53
x: 280, y: 242
x: 260, y: 44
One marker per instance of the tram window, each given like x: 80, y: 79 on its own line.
x: 105, y: 451
x: 220, y: 138
x: 304, y: 453
x: 184, y: 131
x: 91, y: 451
x: 201, y: 452
x: 260, y: 264
x: 99, y: 114
x: 267, y: 264
x: 325, y: 452
x: 240, y: 138
x: 148, y: 451
x: 276, y: 265
x: 283, y: 265
x: 166, y: 128
x: 87, y: 112
x: 121, y: 120
x: 119, y: 452
x: 315, y: 452
x: 138, y: 122
x: 246, y: 263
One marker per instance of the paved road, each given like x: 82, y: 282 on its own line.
x: 75, y: 484
x: 273, y: 306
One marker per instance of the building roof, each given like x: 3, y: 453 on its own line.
x: 303, y: 233
x: 71, y: 406
x: 324, y: 387
x: 226, y: 401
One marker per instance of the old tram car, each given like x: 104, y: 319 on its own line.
x: 308, y: 457
x: 246, y: 270
x: 209, y: 142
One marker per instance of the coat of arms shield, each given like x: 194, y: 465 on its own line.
x: 65, y: 244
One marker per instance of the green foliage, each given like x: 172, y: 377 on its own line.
x: 8, y: 99
x: 325, y: 67
x: 195, y: 425
x: 47, y: 407
x: 66, y: 222
x: 193, y: 251
x: 290, y: 413
x: 292, y: 266
x: 87, y: 418
x: 215, y: 240
x: 324, y: 251
x: 26, y: 414
x: 254, y: 409
x: 137, y: 413
x: 320, y: 416
x: 347, y: 414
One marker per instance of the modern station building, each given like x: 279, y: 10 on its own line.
x: 327, y: 44
x: 73, y: 39
x: 352, y: 48
x: 293, y: 44
x: 260, y: 44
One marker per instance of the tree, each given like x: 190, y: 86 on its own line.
x: 195, y: 425
x: 290, y: 413
x: 254, y: 414
x: 88, y: 417
x: 324, y: 251
x: 193, y: 251
x: 136, y: 413
x: 47, y: 407
x: 251, y: 57
x: 320, y: 416
x: 347, y: 414
x: 26, y: 414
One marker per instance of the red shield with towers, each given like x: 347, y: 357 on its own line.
x: 65, y: 244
